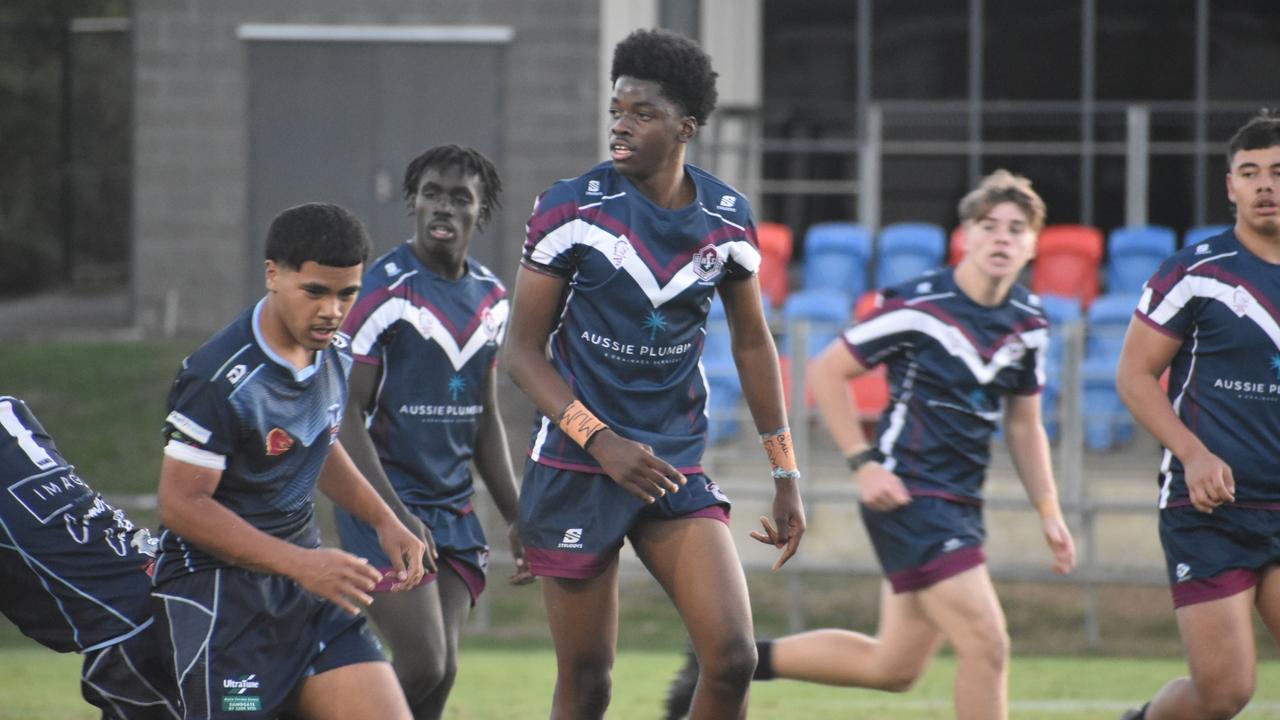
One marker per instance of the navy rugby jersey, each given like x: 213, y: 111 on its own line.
x: 951, y: 361
x: 435, y: 340
x: 238, y: 407
x: 629, y: 333
x: 1223, y: 303
x: 75, y: 573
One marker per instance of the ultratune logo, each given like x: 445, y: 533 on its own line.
x: 707, y: 263
x: 572, y: 539
x: 240, y: 685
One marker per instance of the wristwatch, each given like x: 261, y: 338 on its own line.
x: 862, y: 457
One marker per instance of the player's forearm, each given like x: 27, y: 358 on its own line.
x: 836, y: 403
x: 355, y: 439
x: 210, y: 525
x: 1141, y: 393
x: 756, y: 358
x: 1029, y: 450
x: 493, y: 461
x: 538, y: 379
x: 343, y: 483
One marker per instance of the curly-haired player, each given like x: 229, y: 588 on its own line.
x: 619, y: 269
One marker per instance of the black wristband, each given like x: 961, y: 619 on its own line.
x: 863, y: 457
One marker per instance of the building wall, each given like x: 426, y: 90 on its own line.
x: 190, y: 142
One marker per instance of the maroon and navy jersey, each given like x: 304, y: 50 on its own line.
x: 75, y: 573
x: 1223, y: 303
x: 239, y: 408
x: 951, y: 362
x: 434, y: 341
x: 629, y: 333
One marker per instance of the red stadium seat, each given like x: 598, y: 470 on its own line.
x: 1067, y: 261
x: 775, y: 252
x: 955, y: 248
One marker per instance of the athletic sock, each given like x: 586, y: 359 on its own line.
x: 764, y: 666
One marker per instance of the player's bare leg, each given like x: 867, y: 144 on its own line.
x: 697, y: 564
x: 455, y: 606
x: 363, y: 691
x: 411, y: 624
x: 583, y: 615
x: 1218, y: 639
x: 893, y: 660
x: 966, y: 609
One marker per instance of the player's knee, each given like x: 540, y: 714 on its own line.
x: 988, y: 646
x: 731, y: 662
x: 1222, y: 700
x: 420, y: 674
x: 593, y: 687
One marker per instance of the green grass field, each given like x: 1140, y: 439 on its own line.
x: 500, y: 683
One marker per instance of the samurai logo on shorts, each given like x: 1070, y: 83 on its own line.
x: 707, y: 263
x: 572, y: 539
x: 278, y: 442
x: 1183, y: 571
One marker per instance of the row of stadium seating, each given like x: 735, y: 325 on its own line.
x: 1066, y: 274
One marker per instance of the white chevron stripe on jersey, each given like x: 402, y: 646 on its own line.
x: 431, y: 327
x: 950, y: 338
x: 581, y: 232
x: 1233, y: 296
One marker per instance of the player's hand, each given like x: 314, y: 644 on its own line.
x: 1209, y: 480
x: 879, y: 489
x: 1063, y: 547
x: 788, y: 513
x: 522, y: 575
x: 635, y: 467
x: 337, y: 576
x: 407, y: 550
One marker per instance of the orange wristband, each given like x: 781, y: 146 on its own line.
x: 1049, y: 508
x: 579, y: 424
x: 777, y: 445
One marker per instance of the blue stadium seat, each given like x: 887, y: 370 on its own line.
x: 1061, y: 311
x: 1106, y: 421
x: 905, y: 250
x: 1202, y: 232
x: 725, y: 388
x: 1134, y: 254
x: 826, y: 311
x: 835, y: 258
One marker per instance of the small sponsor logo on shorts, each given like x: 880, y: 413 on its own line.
x: 1183, y: 571
x: 952, y: 545
x: 278, y: 442
x: 238, y: 701
x: 572, y: 539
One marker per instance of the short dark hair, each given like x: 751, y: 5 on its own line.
x: 679, y: 65
x: 1260, y: 132
x: 471, y: 161
x: 320, y: 232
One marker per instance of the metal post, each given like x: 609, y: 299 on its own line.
x: 1199, y: 171
x: 1088, y: 69
x: 869, y: 171
x: 66, y: 129
x: 975, y: 90
x: 1137, y: 155
x: 798, y: 420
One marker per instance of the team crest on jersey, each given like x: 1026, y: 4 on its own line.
x: 278, y: 442
x: 620, y: 250
x: 1240, y: 302
x: 490, y: 324
x: 426, y: 321
x: 1015, y: 349
x: 707, y: 263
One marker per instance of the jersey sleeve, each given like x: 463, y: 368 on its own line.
x: 550, y: 235
x: 744, y: 254
x: 1032, y: 378
x: 1168, y: 302
x: 200, y: 428
x: 889, y: 330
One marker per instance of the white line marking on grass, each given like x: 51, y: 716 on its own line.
x: 1046, y: 706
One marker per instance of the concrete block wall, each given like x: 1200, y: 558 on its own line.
x: 190, y: 142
